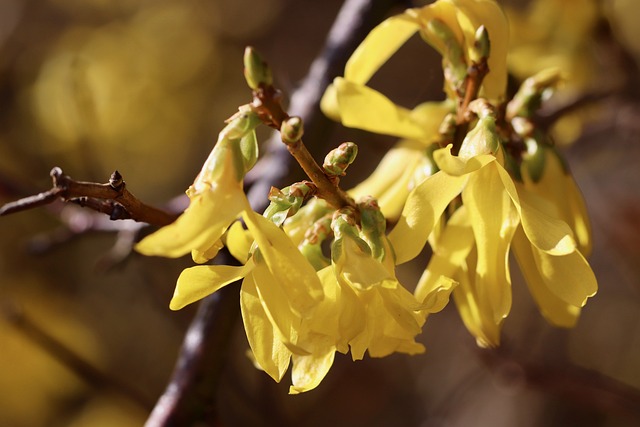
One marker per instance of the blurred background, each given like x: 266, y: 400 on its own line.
x: 143, y: 86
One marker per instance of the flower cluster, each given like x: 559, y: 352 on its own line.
x: 318, y: 266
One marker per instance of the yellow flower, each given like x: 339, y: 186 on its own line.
x: 474, y: 246
x: 280, y: 301
x: 383, y: 317
x: 216, y: 197
x: 354, y: 104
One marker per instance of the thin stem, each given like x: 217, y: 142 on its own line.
x: 111, y: 198
x: 267, y: 104
x: 475, y: 75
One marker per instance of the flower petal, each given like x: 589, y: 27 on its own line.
x: 309, y: 370
x: 379, y: 45
x: 269, y: 352
x: 295, y: 275
x: 547, y: 233
x: 494, y: 220
x: 364, y: 108
x: 554, y: 309
x: 424, y: 206
x: 198, y: 282
x: 449, y: 253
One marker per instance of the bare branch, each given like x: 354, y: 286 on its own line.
x: 111, y: 198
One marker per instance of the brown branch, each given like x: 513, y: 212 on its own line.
x: 475, y: 75
x: 111, y: 198
x: 267, y: 104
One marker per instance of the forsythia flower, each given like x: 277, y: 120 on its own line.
x: 216, y: 196
x: 474, y: 246
x: 351, y: 102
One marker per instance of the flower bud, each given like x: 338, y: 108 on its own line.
x: 339, y: 159
x: 291, y: 130
x: 256, y: 71
x: 481, y: 46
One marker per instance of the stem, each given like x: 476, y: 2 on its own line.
x: 267, y: 105
x: 475, y: 75
x: 111, y: 198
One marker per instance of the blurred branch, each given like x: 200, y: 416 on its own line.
x: 190, y: 396
x: 585, y: 387
x: 112, y: 199
x: 85, y: 370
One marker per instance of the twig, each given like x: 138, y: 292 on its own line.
x: 475, y: 75
x: 267, y: 104
x: 112, y: 199
x: 190, y: 394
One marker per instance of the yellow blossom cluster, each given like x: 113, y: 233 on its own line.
x: 501, y: 186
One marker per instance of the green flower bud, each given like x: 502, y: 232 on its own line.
x: 339, y: 159
x: 291, y: 130
x: 533, y: 160
x: 373, y: 226
x: 241, y: 123
x: 482, y: 139
x: 256, y: 71
x: 532, y: 92
x: 454, y: 63
x: 481, y: 46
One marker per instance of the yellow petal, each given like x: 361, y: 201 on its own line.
x: 358, y: 268
x: 453, y: 247
x: 296, y: 276
x: 456, y: 166
x: 474, y: 312
x: 309, y: 370
x: 329, y: 103
x: 238, y: 241
x: 379, y: 45
x: 494, y: 220
x: 269, y: 352
x: 556, y: 311
x: 569, y: 276
x: 287, y: 324
x: 424, y: 206
x: 197, y: 282
x: 364, y: 108
x: 200, y: 226
x: 547, y: 233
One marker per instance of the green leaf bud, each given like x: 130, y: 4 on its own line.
x: 291, y: 130
x: 481, y: 46
x: 256, y: 71
x: 339, y: 159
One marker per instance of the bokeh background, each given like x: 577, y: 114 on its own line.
x: 143, y: 86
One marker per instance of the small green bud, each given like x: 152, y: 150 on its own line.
x: 532, y: 92
x: 291, y: 130
x: 534, y: 159
x: 249, y: 150
x: 373, y: 225
x: 256, y: 71
x: 453, y: 58
x: 339, y: 159
x: 481, y: 46
x: 482, y: 139
x: 288, y: 201
x: 241, y: 123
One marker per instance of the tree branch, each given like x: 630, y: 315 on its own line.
x: 111, y: 198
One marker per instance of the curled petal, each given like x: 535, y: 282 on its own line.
x: 554, y: 309
x: 198, y: 282
x: 545, y: 232
x: 309, y: 370
x: 382, y: 42
x: 364, y: 108
x: 424, y: 206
